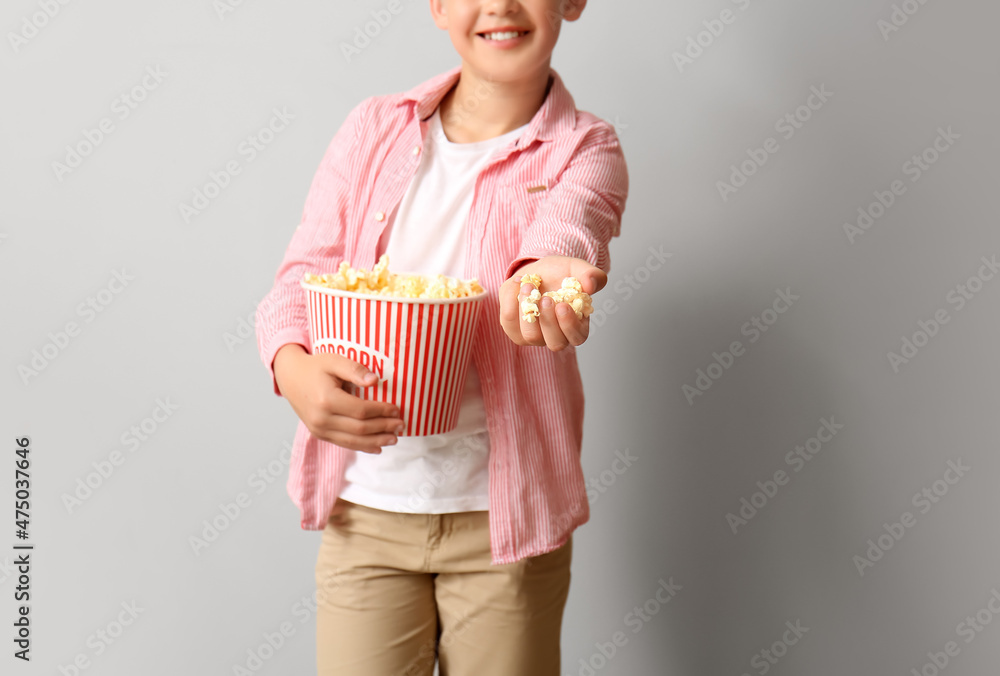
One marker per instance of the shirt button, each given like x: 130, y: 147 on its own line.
x: 416, y: 150
x: 379, y: 216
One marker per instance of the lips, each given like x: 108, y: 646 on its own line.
x: 520, y: 32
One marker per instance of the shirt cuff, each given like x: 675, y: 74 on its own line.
x: 523, y: 260
x: 278, y: 341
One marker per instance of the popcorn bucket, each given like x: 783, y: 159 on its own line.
x: 419, y: 348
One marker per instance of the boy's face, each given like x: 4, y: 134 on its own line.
x: 470, y: 23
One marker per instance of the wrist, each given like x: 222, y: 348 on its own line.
x: 285, y: 355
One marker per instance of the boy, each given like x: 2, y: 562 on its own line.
x: 485, y: 171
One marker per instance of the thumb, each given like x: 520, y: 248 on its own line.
x: 348, y: 370
x: 593, y: 279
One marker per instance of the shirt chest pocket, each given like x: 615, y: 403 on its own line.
x: 525, y: 200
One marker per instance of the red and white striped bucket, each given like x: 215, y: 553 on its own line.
x: 419, y: 348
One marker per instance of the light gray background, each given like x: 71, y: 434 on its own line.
x: 164, y: 335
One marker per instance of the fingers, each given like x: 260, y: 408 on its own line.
x: 366, y: 444
x: 551, y: 331
x: 348, y: 370
x: 510, y: 310
x: 575, y: 329
x: 560, y: 326
x: 555, y: 330
x: 347, y: 405
x: 387, y: 427
x: 336, y: 415
x: 368, y: 435
x: 358, y: 425
x: 531, y: 332
x: 349, y: 421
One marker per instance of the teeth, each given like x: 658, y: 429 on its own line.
x: 507, y: 35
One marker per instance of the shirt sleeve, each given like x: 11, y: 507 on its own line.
x: 583, y: 210
x: 317, y: 245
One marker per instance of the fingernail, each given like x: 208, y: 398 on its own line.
x: 392, y: 441
x: 563, y: 309
x: 400, y: 429
x: 546, y: 301
x: 526, y: 289
x: 369, y: 378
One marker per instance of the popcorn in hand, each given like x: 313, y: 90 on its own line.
x: 379, y: 281
x: 571, y: 292
x: 529, y: 306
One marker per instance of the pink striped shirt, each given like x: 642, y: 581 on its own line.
x: 533, y: 396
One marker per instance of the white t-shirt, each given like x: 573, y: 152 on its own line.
x: 448, y: 472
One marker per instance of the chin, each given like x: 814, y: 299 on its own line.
x: 509, y: 71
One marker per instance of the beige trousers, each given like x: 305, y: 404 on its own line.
x: 397, y: 590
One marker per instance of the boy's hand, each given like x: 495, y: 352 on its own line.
x: 557, y: 325
x: 314, y: 385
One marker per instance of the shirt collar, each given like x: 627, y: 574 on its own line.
x: 556, y: 116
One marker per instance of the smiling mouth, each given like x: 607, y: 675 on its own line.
x: 502, y: 35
